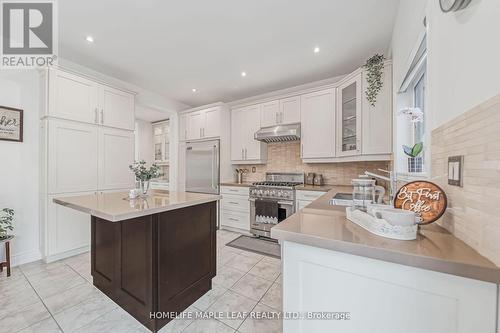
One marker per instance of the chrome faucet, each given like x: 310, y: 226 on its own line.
x: 391, y: 178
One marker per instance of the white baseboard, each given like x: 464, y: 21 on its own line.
x: 66, y: 254
x: 25, y: 257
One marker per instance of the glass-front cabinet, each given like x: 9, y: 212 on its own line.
x: 349, y: 117
x: 161, y: 137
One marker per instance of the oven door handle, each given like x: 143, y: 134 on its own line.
x: 288, y: 203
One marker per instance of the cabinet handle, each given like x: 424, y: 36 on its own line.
x: 233, y: 203
x: 302, y: 150
x: 246, y: 154
x: 242, y: 154
x: 277, y: 121
x: 236, y: 220
x: 102, y: 116
x: 203, y: 131
x: 96, y: 116
x: 281, y: 117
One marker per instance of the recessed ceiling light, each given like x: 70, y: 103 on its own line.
x: 243, y: 74
x: 316, y: 49
x: 89, y: 39
x: 193, y: 90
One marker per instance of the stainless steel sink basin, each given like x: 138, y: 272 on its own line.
x: 341, y: 199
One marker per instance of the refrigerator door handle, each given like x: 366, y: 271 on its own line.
x: 215, y: 168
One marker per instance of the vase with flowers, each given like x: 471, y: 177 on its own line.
x: 143, y: 174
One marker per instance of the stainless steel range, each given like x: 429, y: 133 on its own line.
x: 272, y: 201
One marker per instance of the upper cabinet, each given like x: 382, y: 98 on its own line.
x: 201, y: 124
x: 161, y: 137
x: 244, y: 149
x: 317, y: 122
x: 348, y: 124
x: 280, y: 112
x: 74, y: 97
x: 290, y: 110
x: 117, y: 108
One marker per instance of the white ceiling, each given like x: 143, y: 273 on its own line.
x: 170, y: 47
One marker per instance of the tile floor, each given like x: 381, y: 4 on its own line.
x: 60, y: 297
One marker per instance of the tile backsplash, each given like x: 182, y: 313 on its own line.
x: 473, y: 213
x: 285, y: 157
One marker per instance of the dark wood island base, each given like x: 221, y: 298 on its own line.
x: 156, y: 263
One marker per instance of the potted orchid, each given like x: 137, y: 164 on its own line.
x: 143, y: 174
x: 415, y: 162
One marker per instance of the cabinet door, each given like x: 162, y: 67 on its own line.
x: 270, y: 113
x: 72, y: 156
x: 318, y: 124
x: 290, y: 110
x: 211, y: 128
x: 67, y: 229
x: 377, y: 120
x: 238, y: 129
x: 117, y: 108
x: 349, y: 117
x: 116, y: 153
x: 252, y: 125
x: 195, y: 124
x: 72, y: 97
x: 183, y: 127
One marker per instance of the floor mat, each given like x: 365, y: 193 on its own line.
x: 257, y: 245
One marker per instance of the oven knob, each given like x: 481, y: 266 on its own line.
x: 286, y: 194
x: 272, y: 193
x: 279, y: 194
x: 266, y: 192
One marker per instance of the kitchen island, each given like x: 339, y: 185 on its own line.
x: 151, y: 255
x: 433, y: 284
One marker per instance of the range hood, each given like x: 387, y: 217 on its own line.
x: 279, y: 133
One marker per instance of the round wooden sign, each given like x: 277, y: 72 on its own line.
x: 424, y: 198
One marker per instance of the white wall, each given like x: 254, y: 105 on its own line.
x: 463, y: 54
x: 19, y: 165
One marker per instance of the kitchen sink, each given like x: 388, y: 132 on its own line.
x: 341, y: 199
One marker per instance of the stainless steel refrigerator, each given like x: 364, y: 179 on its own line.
x: 202, y: 167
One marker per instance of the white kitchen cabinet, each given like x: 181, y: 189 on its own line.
x: 244, y: 148
x: 318, y: 124
x: 76, y: 97
x: 116, y: 153
x: 212, y: 123
x: 72, y: 156
x: 116, y: 108
x: 67, y: 231
x: 380, y: 296
x: 235, y: 208
x: 304, y: 198
x: 204, y: 124
x: 73, y: 97
x: 290, y: 110
x: 195, y: 125
x: 161, y: 138
x: 270, y: 113
x: 377, y: 120
x: 348, y: 124
x: 280, y: 112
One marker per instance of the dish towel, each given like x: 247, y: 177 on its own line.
x: 266, y: 211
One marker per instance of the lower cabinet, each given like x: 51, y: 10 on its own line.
x: 67, y: 231
x: 304, y: 198
x: 235, y: 208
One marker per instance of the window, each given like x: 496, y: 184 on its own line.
x: 411, y: 115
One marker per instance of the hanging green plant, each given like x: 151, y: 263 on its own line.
x: 374, y: 68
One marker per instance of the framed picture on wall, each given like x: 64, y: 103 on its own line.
x: 11, y: 124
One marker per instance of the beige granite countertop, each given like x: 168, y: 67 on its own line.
x: 325, y: 226
x: 117, y: 206
x: 244, y: 184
